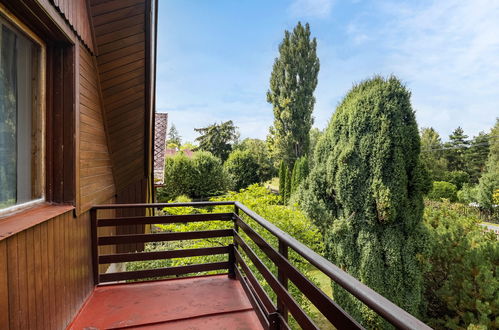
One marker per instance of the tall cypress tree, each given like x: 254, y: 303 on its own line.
x: 292, y: 84
x: 365, y: 193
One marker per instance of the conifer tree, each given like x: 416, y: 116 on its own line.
x: 282, y: 179
x: 489, y: 182
x: 365, y: 193
x: 292, y: 84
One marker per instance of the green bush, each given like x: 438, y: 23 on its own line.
x: 260, y: 150
x: 198, y: 177
x: 468, y: 194
x: 365, y: 192
x: 457, y: 178
x: 461, y: 286
x: 242, y: 167
x: 443, y: 190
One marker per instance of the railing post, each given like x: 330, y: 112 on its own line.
x: 283, y: 279
x: 232, y: 261
x: 95, y: 247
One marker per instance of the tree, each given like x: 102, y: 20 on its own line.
x: 292, y: 84
x: 300, y: 172
x: 259, y: 149
x: 365, y: 192
x: 432, y: 153
x: 476, y: 156
x: 456, y: 150
x: 489, y: 182
x: 218, y: 138
x: 461, y: 286
x: 282, y: 178
x: 174, y: 137
x: 242, y: 167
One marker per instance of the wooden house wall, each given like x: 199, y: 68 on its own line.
x: 76, y: 14
x: 46, y: 273
x: 120, y: 30
x: 96, y: 173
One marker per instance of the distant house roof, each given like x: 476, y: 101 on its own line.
x: 169, y: 152
x: 160, y: 129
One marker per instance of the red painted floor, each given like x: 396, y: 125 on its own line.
x: 207, y: 302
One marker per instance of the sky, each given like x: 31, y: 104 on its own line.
x: 215, y: 58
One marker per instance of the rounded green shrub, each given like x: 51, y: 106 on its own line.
x: 365, y: 192
x: 242, y: 167
x: 197, y: 177
x: 443, y: 190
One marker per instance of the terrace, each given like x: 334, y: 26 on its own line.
x: 235, y: 299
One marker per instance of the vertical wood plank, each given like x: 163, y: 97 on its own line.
x: 37, y: 276
x: 45, y: 275
x: 4, y: 289
x: 30, y: 277
x: 23, y: 281
x: 51, y: 274
x: 13, y: 271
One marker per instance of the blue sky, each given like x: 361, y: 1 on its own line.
x: 215, y: 58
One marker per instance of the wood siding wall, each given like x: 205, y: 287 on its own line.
x: 120, y: 31
x: 96, y: 173
x: 76, y: 13
x: 46, y: 273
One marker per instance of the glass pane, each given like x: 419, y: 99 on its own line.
x: 8, y: 117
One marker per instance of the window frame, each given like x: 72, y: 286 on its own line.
x: 38, y: 108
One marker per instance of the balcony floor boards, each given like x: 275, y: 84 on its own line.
x: 205, y: 302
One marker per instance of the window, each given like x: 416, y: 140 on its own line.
x: 21, y: 143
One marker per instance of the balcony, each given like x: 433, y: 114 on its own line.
x: 234, y: 299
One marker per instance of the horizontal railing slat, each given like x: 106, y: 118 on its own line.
x: 164, y: 219
x: 163, y: 237
x: 334, y: 313
x: 159, y: 272
x: 142, y: 256
x: 381, y: 305
x: 160, y: 205
x: 265, y: 299
x: 300, y: 316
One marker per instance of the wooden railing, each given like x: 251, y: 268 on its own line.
x: 273, y: 315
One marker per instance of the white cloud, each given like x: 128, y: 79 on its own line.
x: 448, y: 54
x: 311, y: 8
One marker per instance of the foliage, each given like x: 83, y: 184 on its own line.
x: 315, y: 135
x: 457, y: 178
x: 188, y: 146
x: 300, y: 172
x: 443, y: 190
x: 432, y: 155
x: 456, y: 149
x: 197, y: 177
x: 365, y: 193
x: 287, y: 188
x: 292, y: 84
x: 468, y: 194
x: 461, y: 287
x: 282, y: 178
x: 174, y: 137
x: 218, y: 138
x: 476, y: 156
x: 242, y: 168
x: 258, y: 199
x: 259, y: 149
x: 489, y: 182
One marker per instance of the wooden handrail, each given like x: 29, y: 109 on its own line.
x: 381, y: 305
x: 270, y: 314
